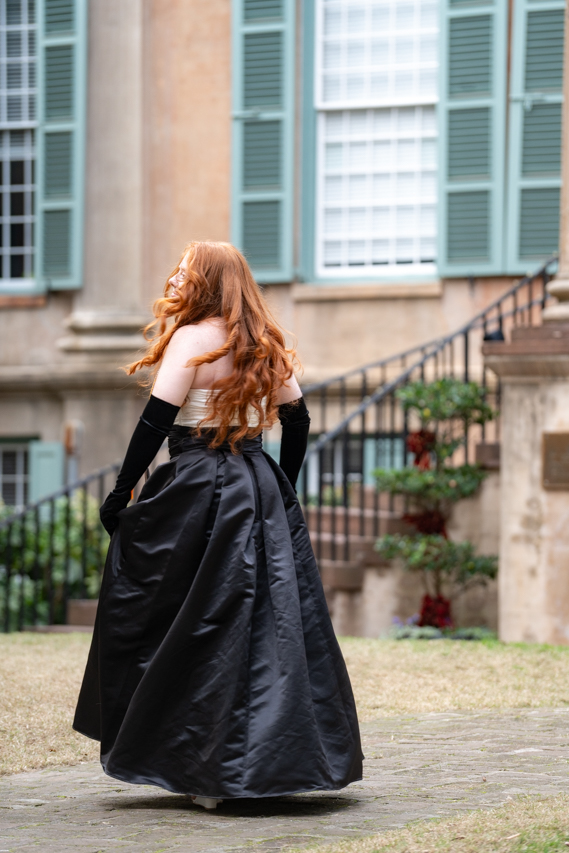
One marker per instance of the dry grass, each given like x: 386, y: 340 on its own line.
x: 393, y: 677
x: 528, y: 825
x: 40, y: 677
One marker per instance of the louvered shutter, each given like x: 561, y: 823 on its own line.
x: 263, y: 142
x: 534, y: 156
x: 62, y: 30
x: 472, y: 136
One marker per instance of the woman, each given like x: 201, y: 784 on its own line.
x: 214, y: 670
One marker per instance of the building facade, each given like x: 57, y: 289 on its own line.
x: 387, y: 166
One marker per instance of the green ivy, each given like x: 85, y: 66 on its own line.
x: 44, y: 559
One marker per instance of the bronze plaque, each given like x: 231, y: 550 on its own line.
x: 556, y: 461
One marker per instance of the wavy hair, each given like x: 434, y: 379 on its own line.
x: 219, y: 283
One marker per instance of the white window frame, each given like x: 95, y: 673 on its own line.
x: 397, y: 268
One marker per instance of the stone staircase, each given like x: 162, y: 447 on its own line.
x: 343, y: 538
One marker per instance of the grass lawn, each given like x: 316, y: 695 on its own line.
x: 392, y: 677
x: 40, y: 675
x: 528, y: 825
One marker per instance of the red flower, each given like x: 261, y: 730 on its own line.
x: 435, y: 612
x: 421, y: 443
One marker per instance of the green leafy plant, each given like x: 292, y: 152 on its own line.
x: 442, y: 563
x: 65, y: 557
x: 445, y: 400
x: 444, y: 410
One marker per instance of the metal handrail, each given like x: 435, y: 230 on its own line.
x: 60, y: 493
x: 435, y: 346
x: 315, y: 387
x: 344, y: 510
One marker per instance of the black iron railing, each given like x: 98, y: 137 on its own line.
x: 344, y: 510
x: 335, y: 399
x: 52, y: 551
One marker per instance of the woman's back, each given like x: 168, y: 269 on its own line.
x: 175, y: 379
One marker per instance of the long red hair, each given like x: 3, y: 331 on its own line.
x: 219, y: 283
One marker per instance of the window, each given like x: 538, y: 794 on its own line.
x: 14, y: 474
x: 42, y: 141
x: 376, y: 90
x: 17, y: 141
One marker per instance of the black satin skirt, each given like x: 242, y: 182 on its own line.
x: 214, y: 669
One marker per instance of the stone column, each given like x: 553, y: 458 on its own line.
x: 107, y: 312
x: 559, y: 287
x: 533, y: 580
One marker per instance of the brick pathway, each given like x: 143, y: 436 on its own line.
x: 417, y: 767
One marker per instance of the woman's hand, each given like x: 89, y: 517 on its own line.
x: 110, y: 509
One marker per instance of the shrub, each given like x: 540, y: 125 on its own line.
x: 444, y: 409
x: 46, y: 555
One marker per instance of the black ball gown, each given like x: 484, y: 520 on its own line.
x: 214, y: 669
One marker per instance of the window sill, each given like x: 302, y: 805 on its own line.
x: 8, y: 301
x: 334, y: 293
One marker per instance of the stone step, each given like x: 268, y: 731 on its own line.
x: 357, y: 521
x: 341, y: 575
x: 328, y: 546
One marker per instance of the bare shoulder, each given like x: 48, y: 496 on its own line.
x: 198, y: 337
x: 289, y: 391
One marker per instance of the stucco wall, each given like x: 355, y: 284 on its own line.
x: 534, y: 583
x: 338, y: 328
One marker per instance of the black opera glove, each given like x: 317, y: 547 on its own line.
x: 295, y: 422
x: 108, y: 513
x: 152, y: 428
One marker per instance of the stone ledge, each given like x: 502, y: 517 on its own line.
x: 104, y: 321
x: 98, y: 343
x: 529, y: 368
x: 349, y: 293
x: 64, y: 377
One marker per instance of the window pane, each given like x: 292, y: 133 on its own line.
x: 377, y: 135
x: 8, y: 462
x: 17, y: 148
x: 13, y: 474
x: 394, y: 43
x: 377, y: 189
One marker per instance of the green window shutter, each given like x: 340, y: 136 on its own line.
x: 46, y: 467
x: 472, y: 136
x: 62, y: 38
x: 263, y: 140
x: 534, y: 155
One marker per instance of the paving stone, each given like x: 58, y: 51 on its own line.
x: 417, y: 767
